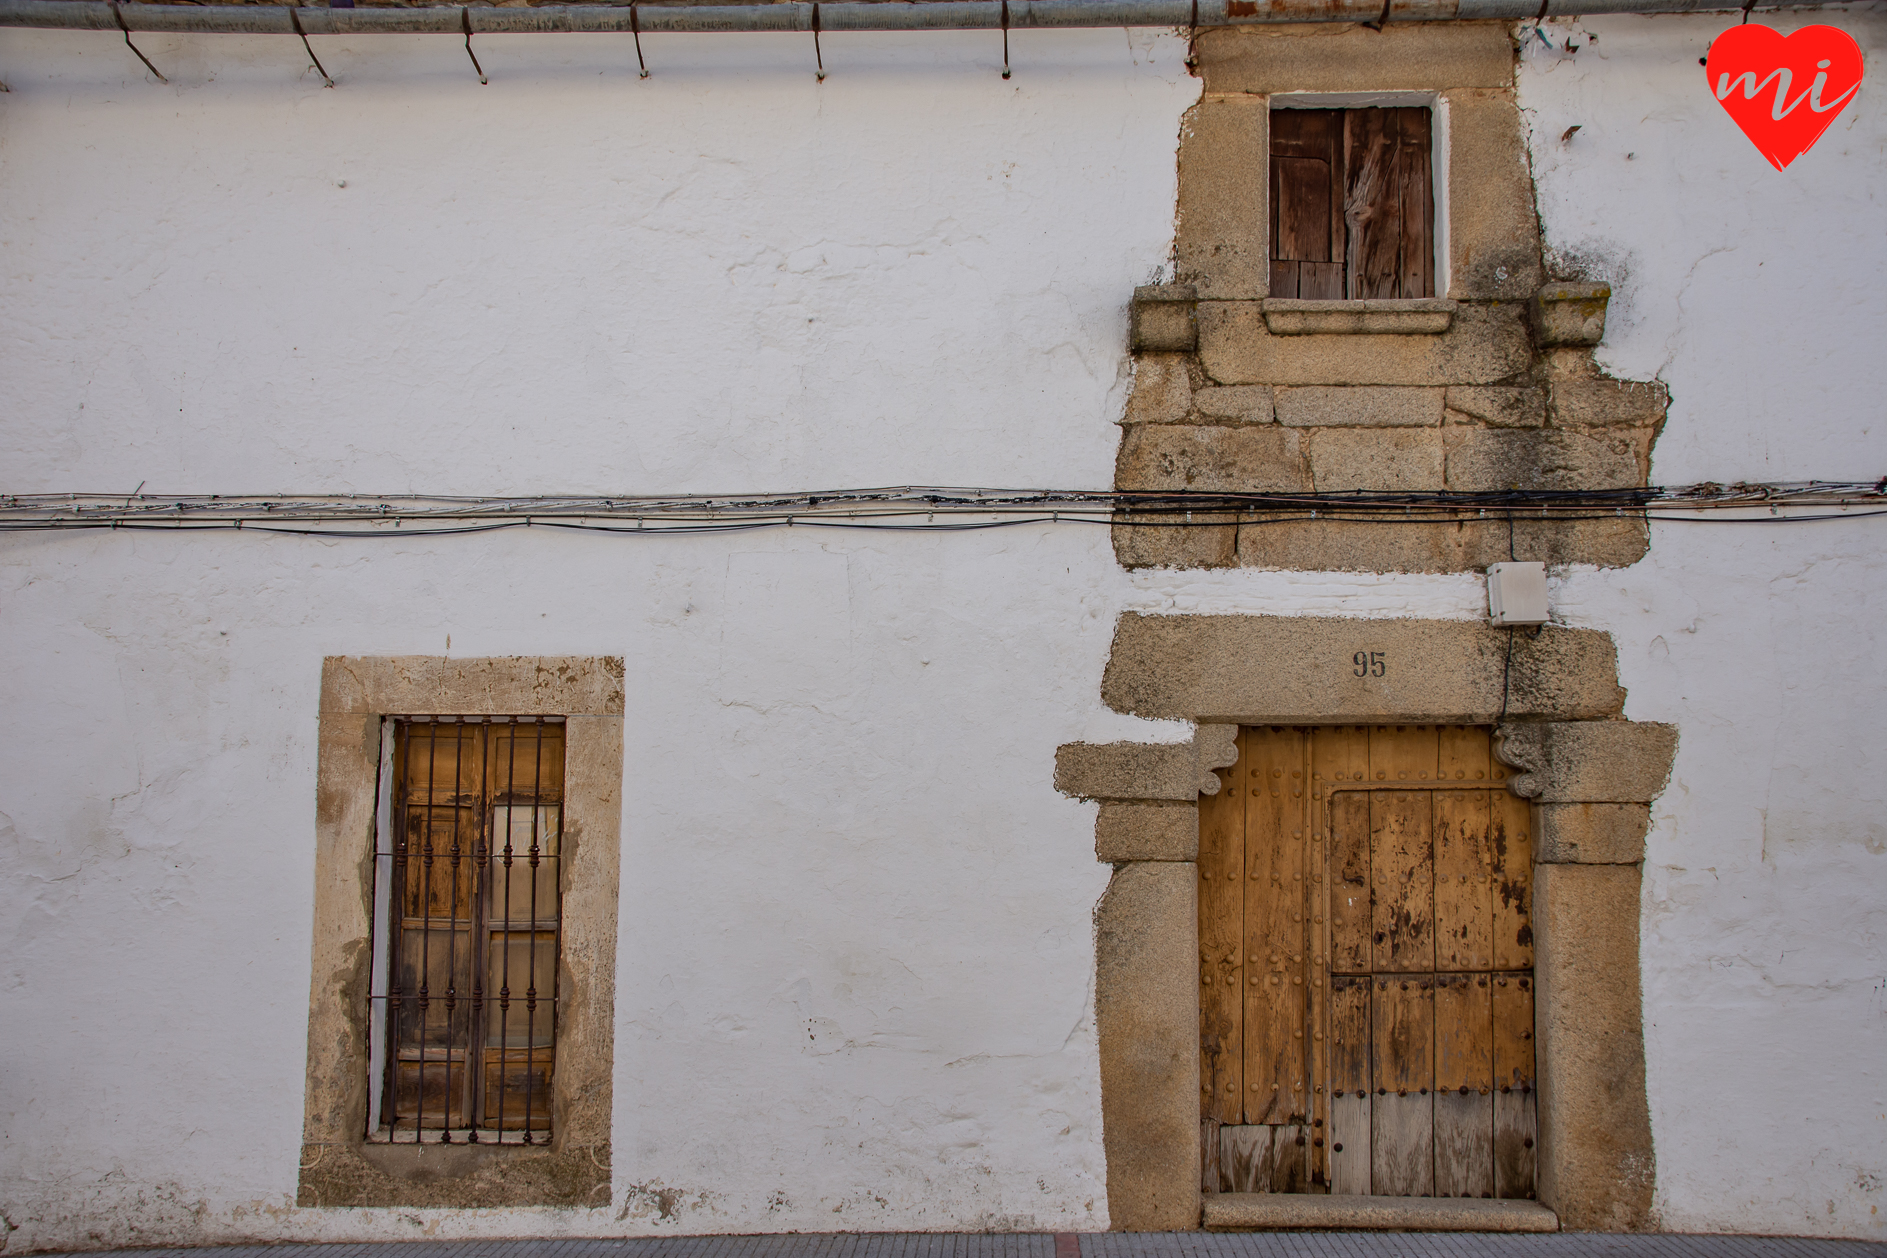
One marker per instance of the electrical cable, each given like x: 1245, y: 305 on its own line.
x: 899, y: 508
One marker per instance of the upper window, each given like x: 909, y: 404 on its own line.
x: 1352, y: 203
x: 466, y: 931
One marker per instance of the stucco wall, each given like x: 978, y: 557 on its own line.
x: 855, y: 940
x: 1755, y: 296
x: 855, y: 949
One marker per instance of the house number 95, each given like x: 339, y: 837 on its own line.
x: 1369, y: 664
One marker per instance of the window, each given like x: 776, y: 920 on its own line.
x: 466, y: 941
x: 1352, y: 203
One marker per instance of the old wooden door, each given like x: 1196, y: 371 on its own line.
x: 1366, y: 966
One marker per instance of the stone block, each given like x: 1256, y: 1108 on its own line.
x: 1202, y: 543
x: 1365, y: 458
x: 1365, y: 407
x: 1299, y: 669
x: 1221, y: 238
x: 1487, y: 344
x: 1498, y: 406
x: 1162, y: 390
x: 1597, y: 762
x: 1147, y: 832
x: 1544, y: 458
x: 1600, y: 403
x: 1336, y: 1212
x: 1591, y: 834
x: 1493, y: 232
x: 1146, y: 1015
x: 1333, y: 57
x: 1164, y: 320
x: 1420, y: 316
x: 1212, y: 459
x: 1466, y: 544
x: 1570, y: 314
x: 515, y: 685
x: 1235, y: 404
x: 1596, y: 1166
x: 1127, y: 771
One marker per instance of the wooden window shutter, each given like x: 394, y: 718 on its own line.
x: 1352, y: 203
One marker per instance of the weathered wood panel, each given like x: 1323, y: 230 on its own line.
x: 1402, y: 1059
x: 1464, y: 891
x: 1352, y: 918
x: 1416, y: 211
x: 1462, y: 754
x: 1515, y: 1129
x: 1210, y: 1174
x: 1510, y: 844
x: 1387, y: 203
x: 1221, y: 866
x: 1276, y: 1055
x: 1349, y: 1160
x: 1402, y: 868
x: 1246, y: 1158
x: 1514, y: 1092
x: 1464, y: 1075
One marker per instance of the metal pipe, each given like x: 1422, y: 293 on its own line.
x: 846, y: 15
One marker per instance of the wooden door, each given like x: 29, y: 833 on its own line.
x: 1366, y: 954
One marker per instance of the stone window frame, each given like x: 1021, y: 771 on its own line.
x: 339, y: 1166
x: 1590, y: 775
x: 1488, y: 387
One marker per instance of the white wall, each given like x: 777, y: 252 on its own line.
x: 1757, y: 296
x: 855, y: 948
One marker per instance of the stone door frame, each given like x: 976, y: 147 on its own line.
x: 1589, y: 774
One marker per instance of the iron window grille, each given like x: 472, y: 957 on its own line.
x: 463, y: 1004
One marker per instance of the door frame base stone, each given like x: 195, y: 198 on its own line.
x: 1280, y: 1211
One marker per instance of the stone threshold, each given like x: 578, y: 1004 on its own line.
x: 1264, y: 1211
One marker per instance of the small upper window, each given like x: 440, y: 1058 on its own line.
x: 1352, y: 203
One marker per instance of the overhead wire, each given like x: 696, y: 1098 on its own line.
x: 927, y: 509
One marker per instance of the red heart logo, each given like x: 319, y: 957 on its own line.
x: 1784, y: 92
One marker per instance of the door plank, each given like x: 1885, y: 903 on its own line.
x: 1464, y: 1145
x: 1402, y: 890
x: 1276, y: 1056
x: 1515, y: 1131
x: 1462, y: 754
x: 1464, y: 892
x: 1221, y: 941
x: 1510, y: 845
x: 1344, y: 758
x: 1210, y: 1175
x: 1404, y: 755
x: 1402, y: 1115
x: 1320, y: 281
x: 1350, y: 1083
x: 1290, y: 1158
x: 1245, y: 1158
x: 1514, y: 1077
x: 1350, y: 1144
x: 1464, y: 1075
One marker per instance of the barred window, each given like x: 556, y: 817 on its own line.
x: 466, y: 916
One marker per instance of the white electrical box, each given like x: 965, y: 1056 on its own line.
x: 1516, y: 593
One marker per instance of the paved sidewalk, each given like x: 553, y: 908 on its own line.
x: 1086, y: 1245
